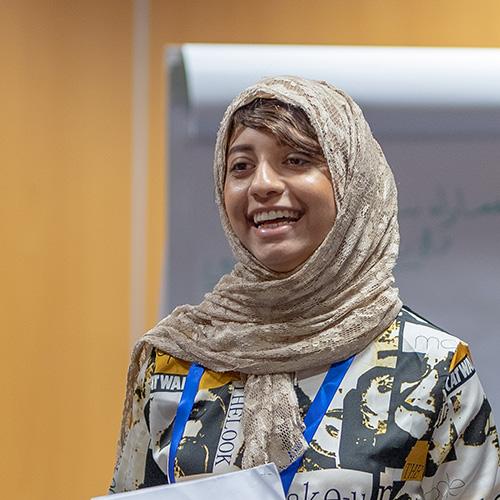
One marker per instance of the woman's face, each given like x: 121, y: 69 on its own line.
x: 280, y: 202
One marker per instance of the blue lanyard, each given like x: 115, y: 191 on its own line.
x: 316, y: 412
x: 313, y: 417
x: 182, y: 416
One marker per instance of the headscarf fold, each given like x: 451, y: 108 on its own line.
x: 269, y: 325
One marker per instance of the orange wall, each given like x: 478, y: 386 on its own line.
x: 64, y: 205
x: 65, y: 155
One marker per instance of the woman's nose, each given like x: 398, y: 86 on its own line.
x: 266, y: 181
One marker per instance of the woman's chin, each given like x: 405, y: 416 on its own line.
x: 281, y: 261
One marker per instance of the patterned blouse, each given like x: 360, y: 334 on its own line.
x: 410, y: 420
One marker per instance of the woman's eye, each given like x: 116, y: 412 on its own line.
x: 239, y: 166
x: 297, y: 161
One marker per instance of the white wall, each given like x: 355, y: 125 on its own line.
x: 447, y: 165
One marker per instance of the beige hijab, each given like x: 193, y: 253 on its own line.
x: 268, y: 325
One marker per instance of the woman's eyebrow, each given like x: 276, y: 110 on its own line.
x: 240, y: 148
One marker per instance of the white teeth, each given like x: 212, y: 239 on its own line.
x: 275, y: 214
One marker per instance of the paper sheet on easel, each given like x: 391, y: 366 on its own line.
x: 261, y: 482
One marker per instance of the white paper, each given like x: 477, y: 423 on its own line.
x: 261, y: 482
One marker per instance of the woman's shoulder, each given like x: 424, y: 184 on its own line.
x: 167, y: 364
x: 168, y: 372
x: 420, y: 336
x: 415, y: 349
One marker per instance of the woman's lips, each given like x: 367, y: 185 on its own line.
x: 274, y: 229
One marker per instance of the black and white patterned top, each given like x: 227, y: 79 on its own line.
x: 410, y: 420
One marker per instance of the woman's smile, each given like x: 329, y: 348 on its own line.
x: 274, y: 221
x: 279, y: 201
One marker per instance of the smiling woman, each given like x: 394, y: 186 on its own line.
x: 303, y: 355
x: 278, y: 191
